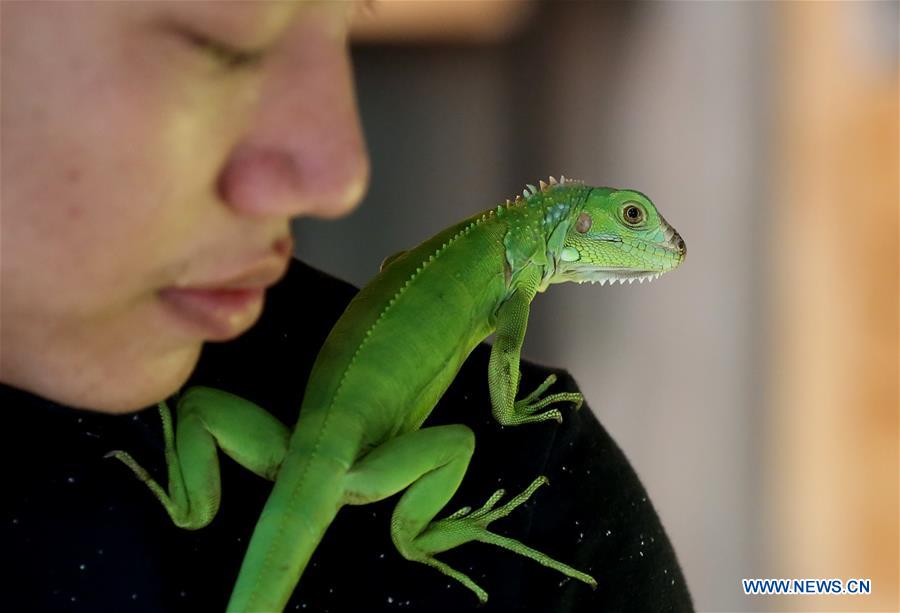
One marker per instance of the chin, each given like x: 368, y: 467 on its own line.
x: 140, y: 384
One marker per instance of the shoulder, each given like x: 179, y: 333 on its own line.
x: 594, y: 515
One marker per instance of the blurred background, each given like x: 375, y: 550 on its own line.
x: 755, y: 390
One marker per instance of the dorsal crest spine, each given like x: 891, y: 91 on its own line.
x: 528, y: 194
x: 543, y: 187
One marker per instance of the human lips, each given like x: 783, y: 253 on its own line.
x: 259, y: 274
x: 229, y: 303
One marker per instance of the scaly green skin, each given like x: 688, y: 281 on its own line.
x: 382, y: 369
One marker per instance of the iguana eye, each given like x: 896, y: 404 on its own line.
x: 633, y: 214
x: 584, y: 223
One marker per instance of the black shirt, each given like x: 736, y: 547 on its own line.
x: 81, y: 533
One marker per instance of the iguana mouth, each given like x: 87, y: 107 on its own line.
x: 612, y: 276
x: 671, y: 252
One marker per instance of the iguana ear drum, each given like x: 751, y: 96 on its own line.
x: 584, y: 223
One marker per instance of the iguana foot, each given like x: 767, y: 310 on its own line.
x: 172, y: 500
x: 526, y: 409
x: 466, y: 525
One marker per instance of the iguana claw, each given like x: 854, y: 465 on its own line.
x: 525, y: 410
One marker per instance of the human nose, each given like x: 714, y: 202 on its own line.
x: 304, y: 153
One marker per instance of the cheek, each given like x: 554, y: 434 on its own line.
x: 63, y: 128
x: 99, y: 199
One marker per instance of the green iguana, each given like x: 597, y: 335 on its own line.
x: 382, y: 369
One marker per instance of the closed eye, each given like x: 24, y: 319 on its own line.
x: 228, y: 56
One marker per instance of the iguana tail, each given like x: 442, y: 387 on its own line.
x: 307, y: 495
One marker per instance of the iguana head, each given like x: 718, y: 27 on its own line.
x: 617, y: 235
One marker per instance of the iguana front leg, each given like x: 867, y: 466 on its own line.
x: 207, y: 419
x: 503, y: 368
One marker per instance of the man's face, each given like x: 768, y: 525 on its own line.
x: 153, y: 154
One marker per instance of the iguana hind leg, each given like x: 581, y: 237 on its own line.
x: 207, y: 419
x: 464, y: 526
x: 430, y: 464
